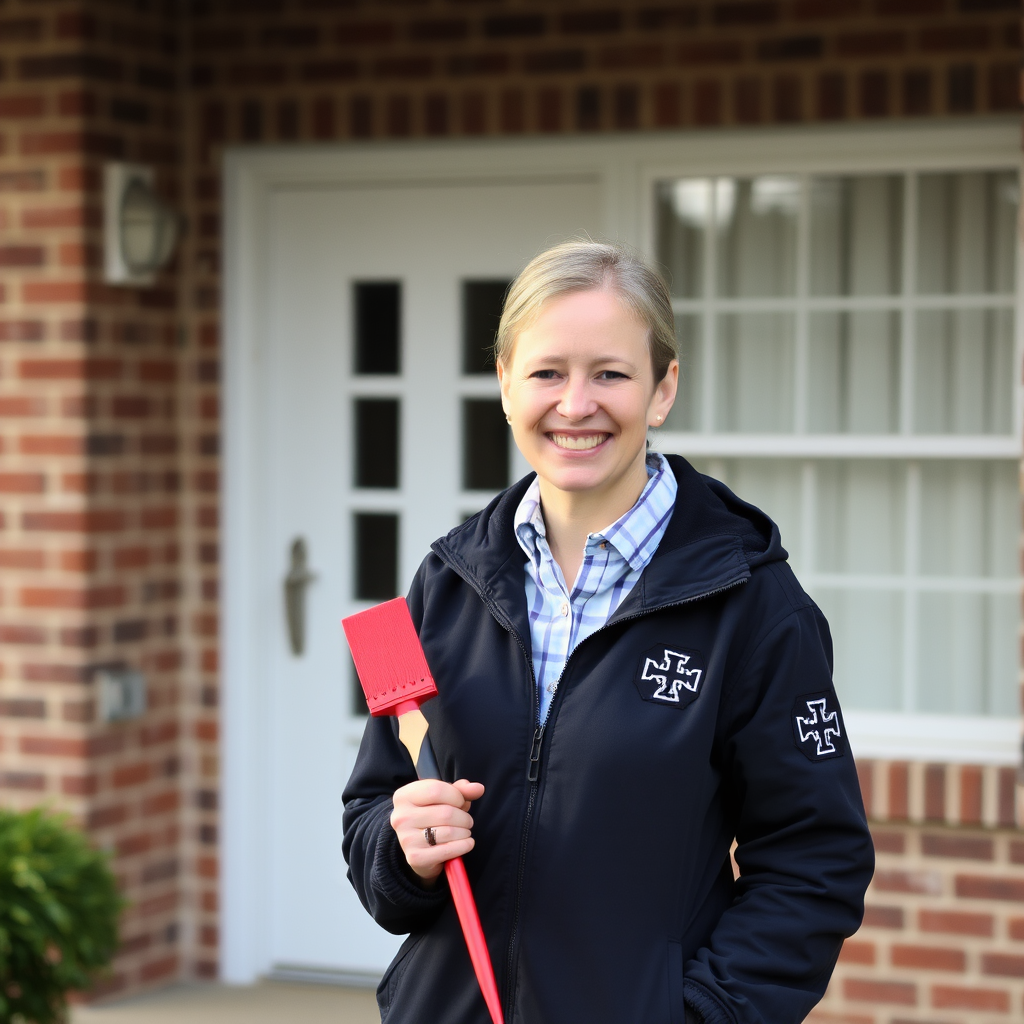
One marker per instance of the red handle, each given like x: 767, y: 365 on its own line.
x: 465, y: 907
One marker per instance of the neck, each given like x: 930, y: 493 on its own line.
x: 569, y: 516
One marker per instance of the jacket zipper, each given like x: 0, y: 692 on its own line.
x: 534, y: 765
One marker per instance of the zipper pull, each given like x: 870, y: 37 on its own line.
x: 534, y: 772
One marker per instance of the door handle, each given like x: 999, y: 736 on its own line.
x: 296, y: 580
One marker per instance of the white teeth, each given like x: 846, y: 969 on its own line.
x: 577, y: 444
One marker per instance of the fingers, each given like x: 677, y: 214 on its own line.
x: 430, y: 803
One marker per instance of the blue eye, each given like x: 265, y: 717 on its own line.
x: 544, y: 374
x: 611, y: 375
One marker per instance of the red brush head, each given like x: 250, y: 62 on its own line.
x: 390, y: 661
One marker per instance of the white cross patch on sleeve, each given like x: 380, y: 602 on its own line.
x: 817, y: 726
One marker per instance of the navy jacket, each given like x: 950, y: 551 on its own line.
x: 702, y: 712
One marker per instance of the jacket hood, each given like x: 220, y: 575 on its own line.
x: 712, y: 542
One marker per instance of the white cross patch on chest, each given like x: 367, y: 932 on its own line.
x: 670, y: 675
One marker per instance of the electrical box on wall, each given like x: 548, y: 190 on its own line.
x: 122, y: 694
x: 139, y: 228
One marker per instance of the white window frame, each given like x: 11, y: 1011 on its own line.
x: 899, y: 735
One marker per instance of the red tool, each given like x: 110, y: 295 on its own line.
x: 396, y: 680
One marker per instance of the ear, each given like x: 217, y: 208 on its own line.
x: 664, y: 396
x: 504, y: 382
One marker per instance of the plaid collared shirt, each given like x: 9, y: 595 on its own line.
x: 612, y: 562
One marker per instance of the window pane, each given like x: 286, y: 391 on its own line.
x: 860, y: 515
x: 757, y: 236
x: 376, y: 556
x: 854, y: 373
x: 485, y: 440
x: 481, y: 312
x: 684, y: 214
x: 376, y: 437
x: 967, y: 654
x: 966, y: 231
x: 856, y: 235
x: 755, y: 372
x: 867, y: 636
x: 963, y: 371
x: 970, y: 518
x: 378, y: 326
x: 688, y: 408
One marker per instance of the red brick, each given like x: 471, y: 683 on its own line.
x: 865, y: 990
x: 207, y: 731
x: 870, y: 44
x: 22, y: 106
x: 22, y: 707
x: 22, y: 330
x: 932, y: 958
x: 78, y: 785
x: 362, y: 33
x: 1002, y: 964
x: 163, y: 371
x: 895, y: 880
x: 106, y: 817
x: 876, y: 916
x: 32, y: 781
x: 53, y: 746
x: 990, y: 887
x: 206, y: 867
x: 1015, y: 928
x: 162, y: 803
x: 16, y: 558
x: 51, y: 444
x: 24, y: 635
x: 899, y: 8
x: 723, y: 52
x: 889, y: 842
x: 22, y: 483
x: 1007, y: 797
x: 958, y: 846
x: 898, y: 791
x: 79, y: 561
x: 954, y: 997
x: 856, y: 952
x: 54, y: 291
x: 955, y: 38
x: 955, y: 922
x: 22, y: 256
x: 131, y: 775
x: 72, y: 597
x: 156, y: 970
x: 50, y: 672
x: 970, y: 795
x: 86, y: 521
x: 70, y: 369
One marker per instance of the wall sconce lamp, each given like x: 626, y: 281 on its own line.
x: 139, y: 229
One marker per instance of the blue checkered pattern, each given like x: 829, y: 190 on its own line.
x: 612, y: 562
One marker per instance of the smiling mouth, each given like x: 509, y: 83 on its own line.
x: 578, y: 443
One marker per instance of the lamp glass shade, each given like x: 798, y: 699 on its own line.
x: 148, y: 229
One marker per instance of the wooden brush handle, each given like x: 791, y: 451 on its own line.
x: 412, y: 731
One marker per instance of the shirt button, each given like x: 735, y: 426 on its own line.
x: 565, y: 608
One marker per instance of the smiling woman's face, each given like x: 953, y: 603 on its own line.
x: 580, y: 393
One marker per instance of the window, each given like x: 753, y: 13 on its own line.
x: 848, y: 363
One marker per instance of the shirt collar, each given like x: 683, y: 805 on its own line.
x: 633, y: 535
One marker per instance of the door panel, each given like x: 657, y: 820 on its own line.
x: 321, y: 242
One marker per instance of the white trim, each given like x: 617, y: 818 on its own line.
x: 839, y: 446
x: 940, y: 739
x: 626, y: 166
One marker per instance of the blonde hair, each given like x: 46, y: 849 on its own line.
x: 581, y: 265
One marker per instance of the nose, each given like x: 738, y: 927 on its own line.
x: 576, y: 401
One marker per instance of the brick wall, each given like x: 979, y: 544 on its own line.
x: 109, y: 398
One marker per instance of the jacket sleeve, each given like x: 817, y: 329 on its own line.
x: 803, y: 847
x: 377, y: 868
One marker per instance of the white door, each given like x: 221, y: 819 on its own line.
x: 382, y: 433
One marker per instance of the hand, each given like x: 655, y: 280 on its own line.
x: 443, y: 806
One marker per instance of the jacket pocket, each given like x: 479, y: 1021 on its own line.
x: 677, y: 1008
x: 393, y: 975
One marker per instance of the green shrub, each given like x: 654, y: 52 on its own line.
x: 59, y: 907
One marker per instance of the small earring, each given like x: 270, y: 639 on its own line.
x: 508, y: 419
x: 659, y: 417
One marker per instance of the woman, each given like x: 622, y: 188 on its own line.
x: 614, y: 734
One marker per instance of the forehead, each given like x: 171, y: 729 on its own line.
x: 595, y: 322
